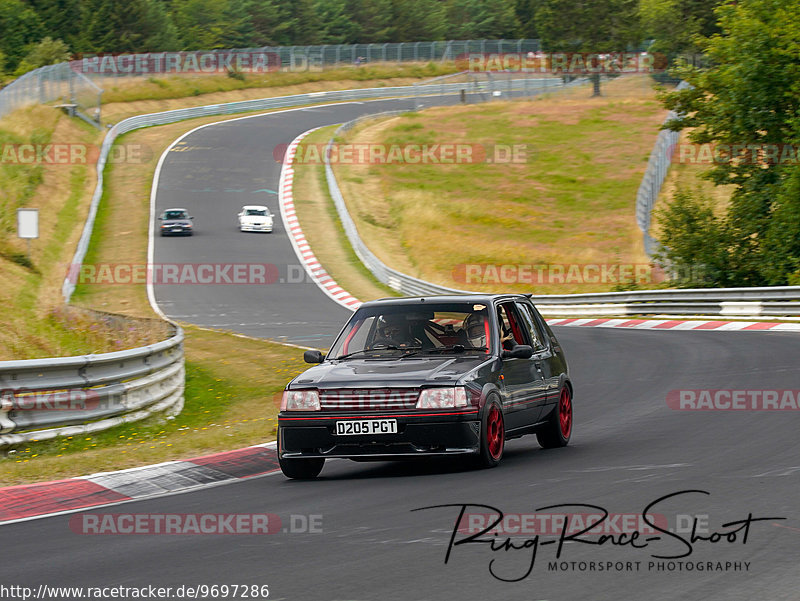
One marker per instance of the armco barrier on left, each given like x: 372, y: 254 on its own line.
x: 41, y: 399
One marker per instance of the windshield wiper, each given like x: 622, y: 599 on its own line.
x: 386, y: 347
x: 456, y: 348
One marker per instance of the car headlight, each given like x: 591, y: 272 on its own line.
x: 300, y: 400
x: 442, y: 398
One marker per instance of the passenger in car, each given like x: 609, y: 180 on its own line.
x: 506, y: 335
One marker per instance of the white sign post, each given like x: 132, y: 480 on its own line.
x: 28, y: 225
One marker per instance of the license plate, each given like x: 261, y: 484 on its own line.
x: 366, y: 426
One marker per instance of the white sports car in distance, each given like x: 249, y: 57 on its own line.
x: 255, y: 218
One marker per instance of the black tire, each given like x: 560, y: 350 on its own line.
x: 558, y: 430
x: 301, y: 469
x: 493, y: 434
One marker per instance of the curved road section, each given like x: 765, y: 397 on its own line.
x: 719, y: 486
x: 259, y: 286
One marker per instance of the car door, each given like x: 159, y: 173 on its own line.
x: 542, y: 351
x: 523, y: 379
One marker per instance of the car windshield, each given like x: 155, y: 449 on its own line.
x: 415, y: 329
x: 259, y: 212
x: 175, y: 215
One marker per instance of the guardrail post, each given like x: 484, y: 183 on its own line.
x: 6, y: 405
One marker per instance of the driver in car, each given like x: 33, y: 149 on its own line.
x: 394, y: 331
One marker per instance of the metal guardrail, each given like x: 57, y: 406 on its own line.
x: 67, y: 396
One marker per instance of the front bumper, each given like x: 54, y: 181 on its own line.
x: 176, y: 231
x: 426, y: 433
x: 255, y: 228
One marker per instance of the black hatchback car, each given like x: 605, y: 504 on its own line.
x: 437, y: 375
x: 176, y: 222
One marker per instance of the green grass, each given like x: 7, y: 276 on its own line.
x: 18, y: 182
x: 571, y: 201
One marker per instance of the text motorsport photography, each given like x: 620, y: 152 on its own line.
x: 513, y: 542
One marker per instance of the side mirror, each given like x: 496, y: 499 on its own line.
x: 315, y: 356
x: 521, y: 351
x: 161, y: 219
x: 192, y: 218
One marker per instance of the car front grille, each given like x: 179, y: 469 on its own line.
x: 368, y: 399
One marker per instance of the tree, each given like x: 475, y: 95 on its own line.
x: 676, y: 24
x: 212, y: 24
x: 748, y: 102
x: 525, y: 12
x: 126, y: 26
x: 61, y: 19
x: 416, y: 20
x: 46, y: 52
x: 305, y: 23
x: 599, y: 27
x: 338, y: 27
x: 480, y: 19
x: 271, y: 22
x: 374, y: 18
x: 693, y: 242
x: 20, y: 27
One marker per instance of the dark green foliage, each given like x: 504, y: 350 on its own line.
x: 113, y: 26
x: 125, y: 26
x: 20, y: 27
x: 600, y: 26
x: 694, y: 241
x: 751, y: 96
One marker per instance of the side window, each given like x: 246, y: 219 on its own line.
x: 532, y: 326
x: 510, y: 323
x: 502, y: 321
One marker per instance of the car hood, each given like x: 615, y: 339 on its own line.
x: 369, y: 373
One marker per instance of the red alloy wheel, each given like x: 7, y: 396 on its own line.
x: 565, y: 413
x: 495, y: 432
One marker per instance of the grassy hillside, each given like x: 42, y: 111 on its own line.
x: 567, y: 198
